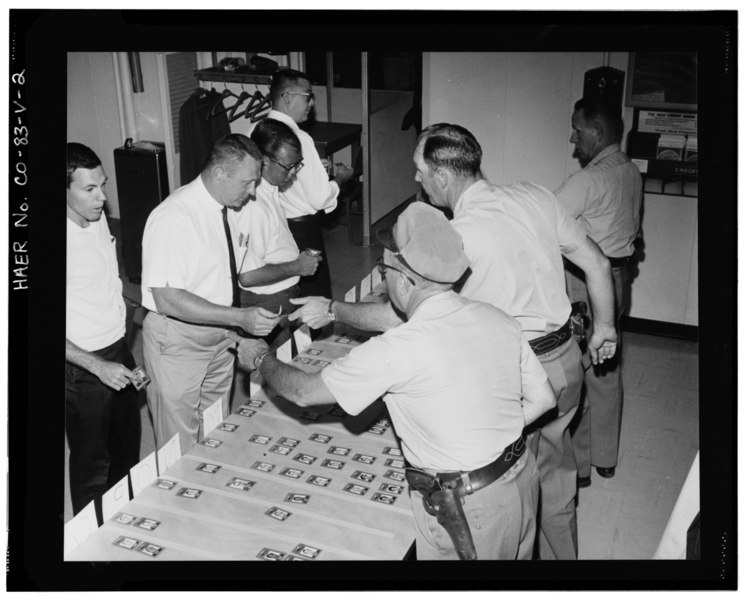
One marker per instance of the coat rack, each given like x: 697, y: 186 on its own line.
x: 240, y: 75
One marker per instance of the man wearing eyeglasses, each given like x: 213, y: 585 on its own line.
x: 312, y: 193
x: 270, y: 264
x: 515, y: 237
x: 460, y: 382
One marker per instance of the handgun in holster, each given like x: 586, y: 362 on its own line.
x: 579, y: 320
x: 446, y: 505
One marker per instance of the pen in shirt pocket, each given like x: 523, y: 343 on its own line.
x: 243, y: 242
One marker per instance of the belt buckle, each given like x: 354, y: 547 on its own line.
x: 457, y: 480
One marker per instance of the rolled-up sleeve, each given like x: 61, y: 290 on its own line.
x: 365, y: 374
x: 166, y: 247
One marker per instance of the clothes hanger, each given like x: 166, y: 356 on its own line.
x: 232, y: 116
x: 214, y: 111
x: 260, y: 110
x: 254, y: 102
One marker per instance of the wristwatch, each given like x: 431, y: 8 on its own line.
x: 258, y: 360
x: 330, y: 312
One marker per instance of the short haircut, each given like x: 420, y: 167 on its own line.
x: 80, y: 156
x: 452, y: 147
x: 284, y: 80
x: 230, y: 150
x: 603, y: 112
x: 270, y: 135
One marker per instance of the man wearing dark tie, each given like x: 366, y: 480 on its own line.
x: 190, y: 288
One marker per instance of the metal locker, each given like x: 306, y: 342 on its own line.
x: 142, y: 183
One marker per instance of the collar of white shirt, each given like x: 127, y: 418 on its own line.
x: 603, y: 154
x: 202, y: 193
x: 476, y: 188
x: 284, y: 118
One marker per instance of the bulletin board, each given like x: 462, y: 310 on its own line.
x: 665, y: 80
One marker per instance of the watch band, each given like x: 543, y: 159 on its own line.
x: 330, y: 311
x: 258, y: 360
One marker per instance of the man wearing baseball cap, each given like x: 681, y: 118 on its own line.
x: 453, y: 376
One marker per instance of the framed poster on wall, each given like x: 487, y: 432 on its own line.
x: 664, y: 80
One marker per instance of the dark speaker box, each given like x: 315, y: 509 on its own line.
x: 142, y: 183
x: 605, y: 83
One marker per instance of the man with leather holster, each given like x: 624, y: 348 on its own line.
x: 460, y: 382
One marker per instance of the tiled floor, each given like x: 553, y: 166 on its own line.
x: 618, y: 518
x: 624, y: 517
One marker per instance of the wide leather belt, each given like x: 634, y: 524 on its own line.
x: 467, y: 483
x: 305, y: 218
x: 618, y: 262
x: 542, y: 345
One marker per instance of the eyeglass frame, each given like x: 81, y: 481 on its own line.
x: 288, y: 168
x: 309, y: 95
x: 382, y: 266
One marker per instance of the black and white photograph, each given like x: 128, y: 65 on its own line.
x: 536, y: 211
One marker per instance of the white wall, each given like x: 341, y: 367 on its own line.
x: 666, y: 288
x: 92, y: 113
x: 519, y: 106
x: 147, y: 103
x: 392, y: 172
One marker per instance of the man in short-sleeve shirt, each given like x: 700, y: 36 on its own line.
x: 190, y: 288
x: 270, y: 264
x: 312, y: 193
x: 605, y: 198
x: 453, y: 377
x: 102, y: 415
x: 515, y: 237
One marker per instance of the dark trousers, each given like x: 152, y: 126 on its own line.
x: 596, y: 431
x: 103, y: 429
x: 308, y: 233
x: 272, y: 302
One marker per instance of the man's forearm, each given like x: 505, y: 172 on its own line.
x: 601, y: 295
x: 189, y: 307
x: 303, y: 389
x: 366, y: 316
x: 536, y: 401
x: 599, y: 284
x: 268, y: 274
x: 80, y: 357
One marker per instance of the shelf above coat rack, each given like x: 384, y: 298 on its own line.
x: 240, y: 75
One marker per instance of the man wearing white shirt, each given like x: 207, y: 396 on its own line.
x: 270, y: 264
x: 190, y: 288
x: 460, y: 382
x: 605, y: 198
x: 312, y: 193
x: 102, y: 417
x: 515, y: 237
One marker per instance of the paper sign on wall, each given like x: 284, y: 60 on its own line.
x: 302, y: 336
x: 255, y: 383
x: 169, y: 454
x: 365, y: 286
x: 143, y: 474
x: 79, y: 528
x: 284, y: 352
x: 350, y: 295
x: 378, y: 287
x: 113, y: 500
x: 212, y: 416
